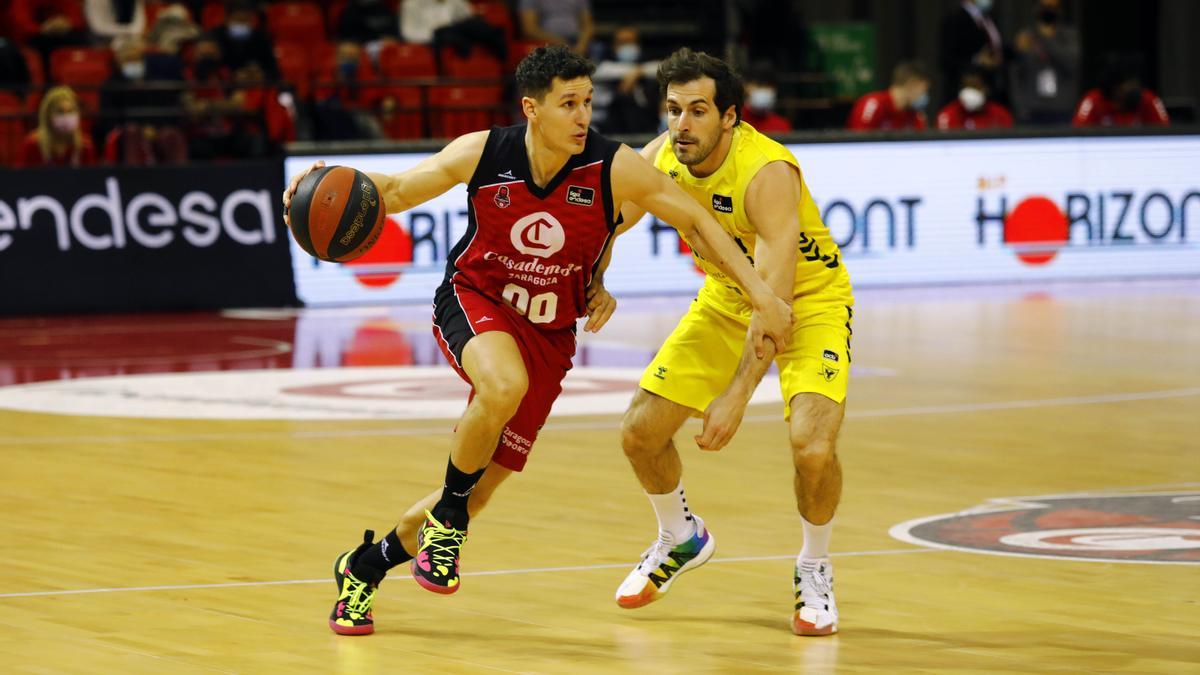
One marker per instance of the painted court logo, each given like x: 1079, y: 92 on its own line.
x: 1154, y: 528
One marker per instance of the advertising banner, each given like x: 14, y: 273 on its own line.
x: 904, y: 213
x: 133, y: 239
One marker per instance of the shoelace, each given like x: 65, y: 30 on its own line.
x: 361, y: 595
x: 440, y: 540
x: 817, y: 581
x: 657, y: 555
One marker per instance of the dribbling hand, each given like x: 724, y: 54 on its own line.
x: 600, y: 304
x: 291, y: 188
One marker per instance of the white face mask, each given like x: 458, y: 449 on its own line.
x: 971, y: 98
x: 65, y: 123
x: 628, y: 53
x: 984, y: 5
x: 240, y: 31
x: 762, y: 100
x: 134, y: 70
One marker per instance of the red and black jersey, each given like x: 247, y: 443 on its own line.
x: 533, y: 248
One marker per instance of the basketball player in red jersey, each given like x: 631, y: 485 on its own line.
x: 543, y: 203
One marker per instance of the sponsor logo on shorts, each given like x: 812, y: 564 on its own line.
x: 661, y: 373
x: 723, y: 204
x: 830, y: 355
x: 828, y: 372
x: 583, y: 196
x: 673, y: 174
x: 1152, y: 528
x: 502, y: 199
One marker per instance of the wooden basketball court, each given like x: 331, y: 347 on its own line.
x: 198, y: 546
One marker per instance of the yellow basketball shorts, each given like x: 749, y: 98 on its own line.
x: 699, y: 358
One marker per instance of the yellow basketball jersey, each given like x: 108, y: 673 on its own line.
x: 820, y: 270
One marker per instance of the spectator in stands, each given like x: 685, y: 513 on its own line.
x: 567, y: 22
x: 58, y: 139
x: 900, y: 106
x: 47, y: 25
x: 1122, y: 102
x: 108, y: 19
x: 625, y: 100
x: 761, y: 95
x: 245, y: 46
x: 217, y: 125
x: 172, y: 28
x: 450, y: 23
x: 345, y: 110
x: 970, y: 39
x: 973, y: 109
x: 367, y: 21
x: 1045, y: 69
x: 141, y: 123
x: 14, y: 72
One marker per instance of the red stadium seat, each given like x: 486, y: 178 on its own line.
x: 479, y: 65
x: 212, y: 15
x: 404, y: 124
x: 298, y: 22
x: 83, y: 68
x: 295, y: 67
x: 498, y: 14
x: 406, y: 61
x: 458, y: 110
x: 12, y: 128
x: 519, y: 50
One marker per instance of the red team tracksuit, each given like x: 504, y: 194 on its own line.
x: 523, y: 267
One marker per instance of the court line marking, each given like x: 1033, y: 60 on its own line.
x: 485, y: 573
x: 570, y: 426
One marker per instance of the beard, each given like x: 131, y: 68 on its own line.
x: 695, y: 152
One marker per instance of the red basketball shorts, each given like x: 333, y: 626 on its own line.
x: 459, y: 314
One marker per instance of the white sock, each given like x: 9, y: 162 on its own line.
x: 816, y: 539
x: 673, y: 515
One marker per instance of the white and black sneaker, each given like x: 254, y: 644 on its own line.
x: 816, y: 610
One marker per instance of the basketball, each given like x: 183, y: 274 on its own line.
x: 337, y: 213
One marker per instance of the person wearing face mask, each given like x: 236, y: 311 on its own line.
x: 625, y: 100
x: 1121, y: 102
x: 245, y: 47
x: 59, y: 139
x: 761, y: 94
x: 900, y: 106
x: 139, y: 124
x: 972, y: 109
x: 450, y: 23
x: 1045, y: 68
x: 970, y: 39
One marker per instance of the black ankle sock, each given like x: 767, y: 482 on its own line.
x: 455, y: 492
x: 380, y: 557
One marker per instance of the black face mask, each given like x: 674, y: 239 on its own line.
x: 1050, y: 17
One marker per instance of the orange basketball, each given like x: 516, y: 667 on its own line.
x: 337, y: 213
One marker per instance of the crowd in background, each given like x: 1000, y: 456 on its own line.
x: 148, y: 82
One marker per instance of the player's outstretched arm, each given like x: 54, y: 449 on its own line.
x: 631, y: 213
x: 772, y: 204
x: 636, y: 180
x: 436, y: 174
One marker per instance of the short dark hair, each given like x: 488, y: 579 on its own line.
x: 907, y: 71
x: 536, y: 72
x: 686, y: 65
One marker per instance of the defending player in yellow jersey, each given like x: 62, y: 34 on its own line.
x: 755, y: 189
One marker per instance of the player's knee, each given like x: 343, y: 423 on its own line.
x: 501, y: 391
x: 810, y: 453
x: 634, y: 439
